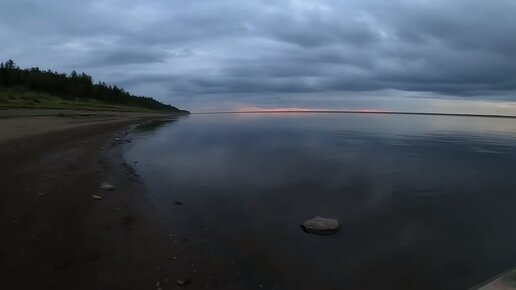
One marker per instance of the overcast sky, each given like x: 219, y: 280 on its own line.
x: 229, y: 54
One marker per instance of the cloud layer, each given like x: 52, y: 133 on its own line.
x: 183, y: 49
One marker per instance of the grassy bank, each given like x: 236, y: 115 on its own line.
x: 26, y: 99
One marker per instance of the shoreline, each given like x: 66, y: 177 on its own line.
x: 56, y: 236
x: 16, y: 124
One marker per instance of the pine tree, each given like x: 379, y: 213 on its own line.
x: 71, y: 86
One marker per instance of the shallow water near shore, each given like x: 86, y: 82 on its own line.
x: 425, y: 202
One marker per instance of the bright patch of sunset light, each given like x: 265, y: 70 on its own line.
x: 246, y: 109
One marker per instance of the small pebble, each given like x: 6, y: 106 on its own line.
x: 183, y: 282
x: 97, y: 197
x: 106, y: 186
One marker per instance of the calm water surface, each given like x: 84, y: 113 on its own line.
x: 425, y: 202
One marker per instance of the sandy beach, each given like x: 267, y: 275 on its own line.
x: 55, y: 235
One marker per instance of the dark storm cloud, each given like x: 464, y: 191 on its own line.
x: 120, y: 56
x: 199, y: 47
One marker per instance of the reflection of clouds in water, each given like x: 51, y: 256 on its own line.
x: 276, y: 151
x: 227, y: 159
x: 219, y: 148
x: 373, y: 123
x: 418, y: 184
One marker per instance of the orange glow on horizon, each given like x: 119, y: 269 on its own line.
x: 245, y: 109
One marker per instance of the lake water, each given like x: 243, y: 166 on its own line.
x: 425, y: 202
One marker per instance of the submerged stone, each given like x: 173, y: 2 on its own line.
x: 321, y: 226
x: 183, y: 282
x: 106, y: 186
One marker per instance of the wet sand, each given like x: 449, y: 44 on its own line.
x: 15, y: 124
x: 54, y: 235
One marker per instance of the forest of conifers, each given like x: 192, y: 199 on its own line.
x: 72, y: 86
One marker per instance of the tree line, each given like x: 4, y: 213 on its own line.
x: 71, y: 86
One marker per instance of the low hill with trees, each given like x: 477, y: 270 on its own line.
x: 35, y: 88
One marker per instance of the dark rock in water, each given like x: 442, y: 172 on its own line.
x: 183, y: 282
x: 321, y: 226
x: 178, y: 203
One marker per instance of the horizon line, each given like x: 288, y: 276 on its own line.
x: 364, y: 112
